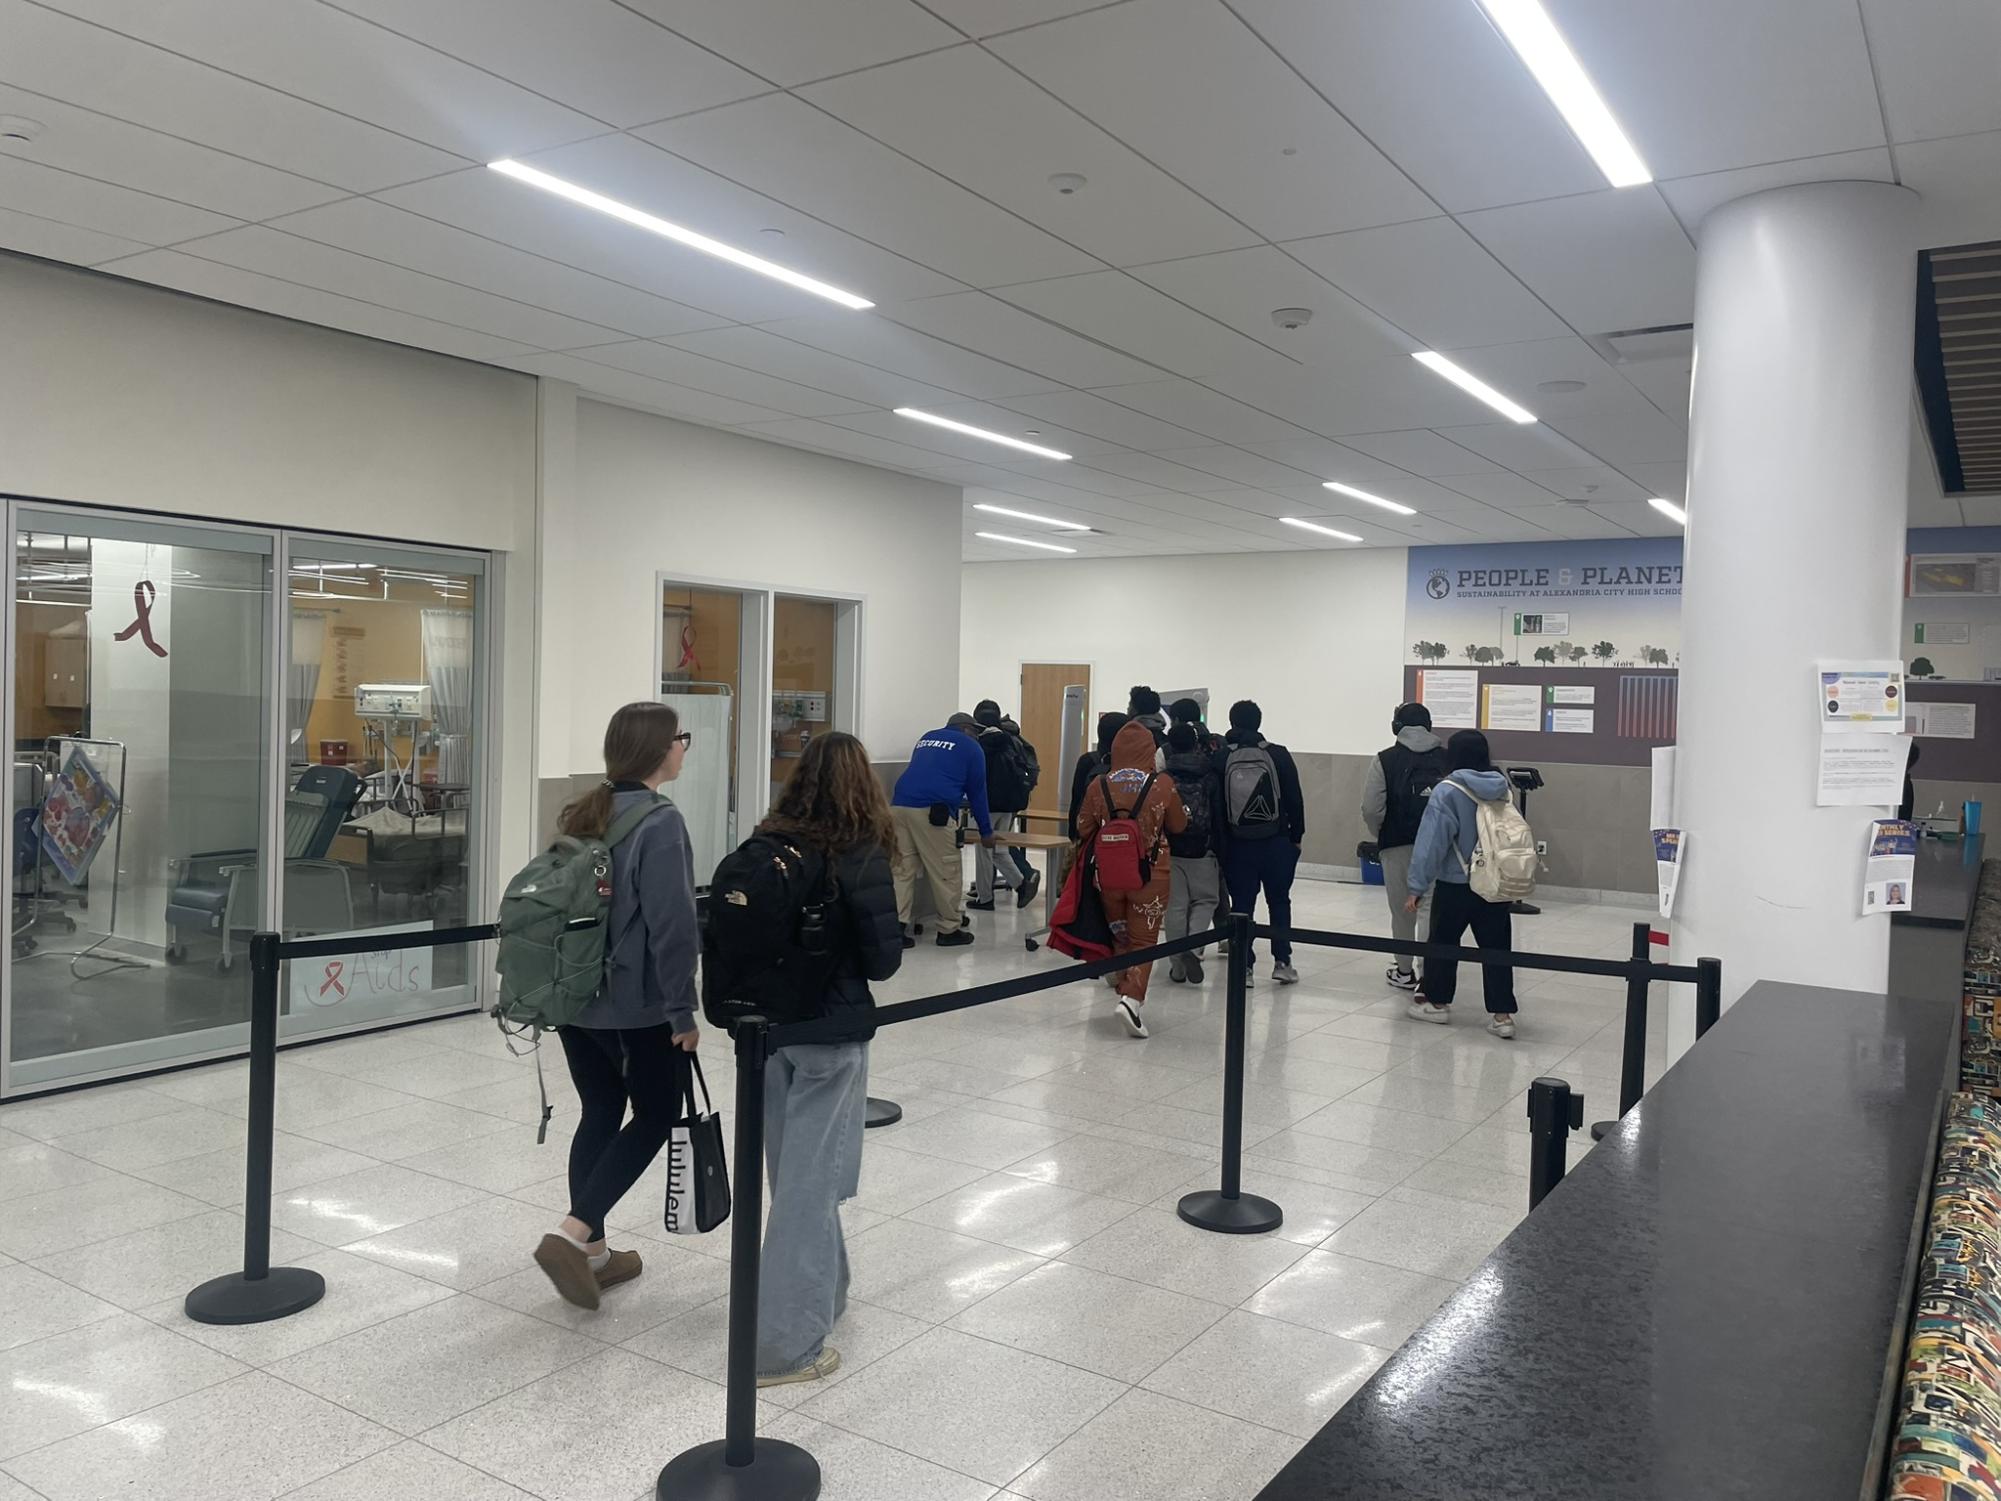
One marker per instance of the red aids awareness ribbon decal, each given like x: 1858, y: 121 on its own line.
x: 143, y: 595
x: 333, y: 981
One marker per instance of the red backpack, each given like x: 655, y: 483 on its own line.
x: 1119, y: 850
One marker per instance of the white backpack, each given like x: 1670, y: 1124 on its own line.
x: 1503, y: 867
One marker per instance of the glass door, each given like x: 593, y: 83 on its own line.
x: 383, y: 800
x: 708, y: 637
x: 812, y: 676
x: 137, y: 818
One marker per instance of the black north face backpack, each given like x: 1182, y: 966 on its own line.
x: 768, y: 946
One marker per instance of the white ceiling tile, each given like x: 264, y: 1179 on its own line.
x: 1244, y: 288
x: 1667, y: 480
x: 1435, y: 86
x: 97, y: 69
x: 29, y: 188
x: 997, y: 418
x: 828, y: 438
x: 1638, y: 517
x: 1069, y: 492
x: 1605, y: 261
x: 1580, y: 523
x: 1084, y: 510
x: 1237, y: 465
x: 1693, y: 197
x: 782, y: 146
x: 1704, y: 85
x: 978, y: 321
x: 938, y: 440
x: 891, y: 346
x: 346, y: 64
x: 1312, y: 453
x: 1980, y: 510
x: 1114, y: 309
x: 1663, y: 382
x: 372, y: 228
x: 1085, y: 413
x: 1504, y: 528
x: 250, y: 289
x: 1161, y: 474
x: 1085, y: 475
x: 1959, y: 188
x: 644, y: 391
x: 757, y: 349
x: 1134, y: 68
x: 682, y: 368
x: 968, y: 115
x: 1935, y: 64
x: 1519, y: 370
x: 1421, y: 451
x: 1595, y: 484
x: 286, y: 257
x: 1517, y: 446
x: 597, y: 57
x: 1501, y: 488
x: 54, y: 241
x: 1201, y: 410
x: 983, y: 18
x: 1434, y: 281
x: 1642, y: 436
x: 1380, y: 395
x: 790, y: 43
x: 132, y: 156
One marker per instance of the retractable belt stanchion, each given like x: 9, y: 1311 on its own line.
x: 1633, y: 1053
x: 1708, y: 994
x: 1230, y: 1211
x: 742, y: 1466
x: 1554, y: 1112
x: 260, y: 1292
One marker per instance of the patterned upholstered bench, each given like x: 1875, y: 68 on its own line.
x: 1980, y: 1045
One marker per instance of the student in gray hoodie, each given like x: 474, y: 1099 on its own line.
x: 1444, y: 852
x: 1395, y: 793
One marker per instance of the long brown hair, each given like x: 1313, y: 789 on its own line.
x: 833, y: 802
x: 635, y: 743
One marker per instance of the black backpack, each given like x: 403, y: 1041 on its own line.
x: 1198, y: 839
x: 1409, y: 778
x: 1012, y: 772
x: 769, y: 947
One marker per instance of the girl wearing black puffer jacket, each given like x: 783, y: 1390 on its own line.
x: 817, y: 1094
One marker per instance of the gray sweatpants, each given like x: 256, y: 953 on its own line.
x: 1411, y: 927
x: 815, y: 1105
x: 1193, y: 897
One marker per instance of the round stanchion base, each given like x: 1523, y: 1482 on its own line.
x: 236, y: 1299
x: 1602, y: 1129
x: 1247, y: 1214
x: 882, y: 1112
x: 778, y: 1471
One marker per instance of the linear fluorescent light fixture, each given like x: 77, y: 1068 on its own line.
x: 1541, y: 47
x: 1670, y: 510
x: 1314, y: 526
x: 680, y: 234
x: 1061, y: 526
x: 1374, y: 500
x: 1472, y: 385
x: 1022, y: 541
x: 979, y: 432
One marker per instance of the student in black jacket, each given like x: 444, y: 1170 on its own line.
x: 1264, y: 824
x: 816, y: 1095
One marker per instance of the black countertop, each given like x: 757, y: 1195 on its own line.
x: 1942, y: 891
x: 1710, y: 1305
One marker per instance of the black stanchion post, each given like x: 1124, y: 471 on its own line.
x: 1230, y: 1211
x: 1554, y: 1112
x: 881, y: 1113
x: 259, y: 1293
x: 1708, y: 993
x: 741, y: 1466
x: 1633, y: 1053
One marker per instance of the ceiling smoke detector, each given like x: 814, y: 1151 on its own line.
x: 20, y: 128
x: 1559, y: 387
x: 1292, y: 317
x: 1067, y: 183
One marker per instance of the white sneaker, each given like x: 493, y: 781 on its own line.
x: 1285, y: 974
x: 1399, y: 979
x: 1502, y: 1027
x: 1129, y: 1014
x: 1421, y: 1010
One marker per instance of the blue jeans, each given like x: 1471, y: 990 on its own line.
x: 1267, y: 865
x: 815, y: 1105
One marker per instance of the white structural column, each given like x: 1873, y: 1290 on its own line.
x: 1799, y: 432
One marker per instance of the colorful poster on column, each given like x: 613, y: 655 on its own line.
x: 1892, y: 868
x: 1865, y: 697
x: 1452, y: 696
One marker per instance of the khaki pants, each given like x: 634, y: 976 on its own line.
x: 933, y: 853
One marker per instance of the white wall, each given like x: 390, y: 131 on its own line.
x: 1316, y: 637
x: 658, y: 496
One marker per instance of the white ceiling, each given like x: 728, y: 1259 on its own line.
x: 1386, y: 163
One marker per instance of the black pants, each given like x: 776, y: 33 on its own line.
x: 1455, y: 908
x: 1252, y: 865
x: 640, y: 1066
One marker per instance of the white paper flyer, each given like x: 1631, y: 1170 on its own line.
x: 1670, y: 846
x: 1893, y: 866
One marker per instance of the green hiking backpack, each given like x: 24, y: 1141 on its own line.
x: 554, y: 924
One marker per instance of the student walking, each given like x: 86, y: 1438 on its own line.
x: 1012, y: 773
x: 1395, y: 793
x: 1264, y: 822
x: 629, y: 1046
x: 1443, y: 854
x: 816, y: 1094
x: 1196, y: 891
x: 1092, y: 765
x: 1134, y: 792
x: 1143, y: 707
x: 947, y: 768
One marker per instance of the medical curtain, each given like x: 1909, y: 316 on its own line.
x: 302, y: 681
x: 448, y: 669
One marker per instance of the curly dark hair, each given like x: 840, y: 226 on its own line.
x: 833, y: 801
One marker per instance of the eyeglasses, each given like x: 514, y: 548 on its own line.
x: 685, y: 739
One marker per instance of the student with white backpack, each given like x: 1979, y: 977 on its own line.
x: 1480, y: 853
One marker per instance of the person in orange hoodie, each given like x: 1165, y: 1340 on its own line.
x: 1133, y: 789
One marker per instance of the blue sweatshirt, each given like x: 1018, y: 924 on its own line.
x: 947, y: 766
x: 1451, y: 821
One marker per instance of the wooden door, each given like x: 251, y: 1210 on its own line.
x: 1042, y: 685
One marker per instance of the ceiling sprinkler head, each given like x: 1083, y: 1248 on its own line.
x: 1067, y: 183
x: 1559, y: 387
x: 20, y: 128
x: 1292, y: 317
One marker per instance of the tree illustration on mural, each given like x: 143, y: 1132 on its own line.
x: 1922, y: 668
x: 1654, y: 656
x: 1488, y: 654
x: 1546, y: 654
x: 1573, y: 652
x: 1604, y: 651
x: 1472, y: 653
x: 1430, y: 651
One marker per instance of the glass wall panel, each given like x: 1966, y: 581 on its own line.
x: 805, y: 649
x: 703, y: 639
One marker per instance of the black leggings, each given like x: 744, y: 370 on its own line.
x: 609, y: 1154
x: 1455, y: 907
